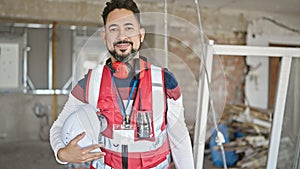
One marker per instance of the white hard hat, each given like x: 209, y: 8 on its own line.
x: 82, y: 120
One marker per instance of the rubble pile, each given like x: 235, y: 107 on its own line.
x: 249, y: 130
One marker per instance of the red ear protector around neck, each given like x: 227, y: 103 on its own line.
x: 123, y: 70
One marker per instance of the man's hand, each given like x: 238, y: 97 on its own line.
x: 73, y: 153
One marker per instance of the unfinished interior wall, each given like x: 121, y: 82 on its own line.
x: 18, y: 121
x: 265, y: 32
x: 224, y: 27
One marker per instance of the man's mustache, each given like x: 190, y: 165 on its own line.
x: 122, y: 41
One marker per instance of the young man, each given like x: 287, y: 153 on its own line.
x: 140, y: 105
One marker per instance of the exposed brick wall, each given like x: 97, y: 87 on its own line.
x: 228, y: 75
x: 227, y: 70
x: 235, y: 67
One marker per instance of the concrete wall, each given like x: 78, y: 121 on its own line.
x: 18, y: 121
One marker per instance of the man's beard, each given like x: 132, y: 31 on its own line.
x: 123, y: 57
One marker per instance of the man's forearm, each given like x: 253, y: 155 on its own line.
x: 55, y: 132
x: 179, y: 137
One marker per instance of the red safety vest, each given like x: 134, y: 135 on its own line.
x: 143, y: 153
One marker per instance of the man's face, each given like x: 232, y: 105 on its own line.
x: 123, y: 35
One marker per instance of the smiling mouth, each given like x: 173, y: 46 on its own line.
x: 123, y: 45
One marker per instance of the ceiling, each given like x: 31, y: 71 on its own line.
x: 290, y: 7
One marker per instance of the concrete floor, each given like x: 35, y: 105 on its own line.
x: 36, y: 154
x: 27, y: 155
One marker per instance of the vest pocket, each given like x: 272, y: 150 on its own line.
x: 111, y: 118
x: 144, y: 130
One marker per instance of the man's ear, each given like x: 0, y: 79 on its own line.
x: 142, y: 33
x: 102, y: 34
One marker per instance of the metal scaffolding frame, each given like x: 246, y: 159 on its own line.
x: 287, y: 55
x: 26, y: 84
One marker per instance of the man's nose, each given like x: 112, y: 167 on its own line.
x: 122, y: 35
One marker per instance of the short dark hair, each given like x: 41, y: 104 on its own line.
x: 120, y: 4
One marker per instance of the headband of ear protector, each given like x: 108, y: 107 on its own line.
x: 123, y: 70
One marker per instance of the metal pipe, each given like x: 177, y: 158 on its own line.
x: 50, y: 57
x: 166, y: 32
x: 74, y: 33
x: 48, y: 92
x: 54, y: 70
x: 25, y: 62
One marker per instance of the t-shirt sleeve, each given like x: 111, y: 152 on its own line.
x: 79, y: 89
x: 172, y: 87
x: 179, y: 138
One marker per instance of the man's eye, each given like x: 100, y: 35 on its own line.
x: 113, y: 29
x: 129, y: 28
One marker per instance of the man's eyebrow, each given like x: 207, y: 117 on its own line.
x: 112, y: 25
x: 128, y: 24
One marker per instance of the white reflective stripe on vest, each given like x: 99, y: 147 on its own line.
x: 94, y: 85
x: 138, y: 146
x: 158, y: 99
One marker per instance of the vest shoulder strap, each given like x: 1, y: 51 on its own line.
x: 156, y: 76
x: 94, y: 82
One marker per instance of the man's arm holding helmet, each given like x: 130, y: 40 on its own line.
x: 72, y: 152
x: 179, y: 138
